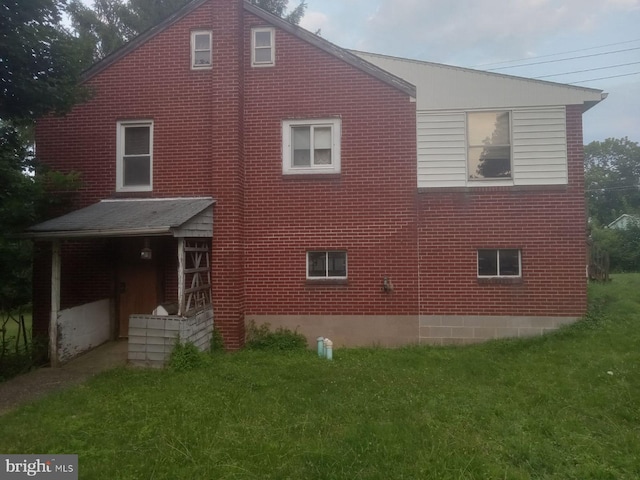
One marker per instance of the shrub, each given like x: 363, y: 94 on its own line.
x: 185, y: 357
x: 217, y: 343
x: 282, y: 339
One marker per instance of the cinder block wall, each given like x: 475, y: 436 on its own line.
x: 152, y: 338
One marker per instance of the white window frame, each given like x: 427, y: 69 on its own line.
x: 498, y: 263
x: 489, y: 181
x: 193, y: 50
x: 254, y: 47
x: 121, y: 127
x: 327, y: 277
x: 287, y: 156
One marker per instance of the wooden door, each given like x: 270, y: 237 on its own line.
x: 138, y: 292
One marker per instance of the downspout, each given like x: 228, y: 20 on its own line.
x: 55, y: 303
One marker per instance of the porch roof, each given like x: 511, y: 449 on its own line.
x: 178, y: 217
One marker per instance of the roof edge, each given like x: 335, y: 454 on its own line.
x: 333, y: 49
x: 588, y: 103
x: 131, y: 45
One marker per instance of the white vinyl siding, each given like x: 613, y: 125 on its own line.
x: 442, y: 150
x: 539, y: 148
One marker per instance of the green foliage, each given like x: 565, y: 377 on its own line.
x: 623, y: 247
x: 612, y: 179
x: 19, y: 352
x: 217, y: 342
x: 109, y: 24
x: 41, y: 61
x: 185, y: 357
x: 260, y: 337
x: 562, y: 406
x: 279, y: 8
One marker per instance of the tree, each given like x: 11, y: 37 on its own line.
x: 612, y: 179
x: 111, y: 23
x: 40, y: 67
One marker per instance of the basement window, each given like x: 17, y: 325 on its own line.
x: 499, y: 263
x: 327, y: 265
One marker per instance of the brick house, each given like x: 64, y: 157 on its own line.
x: 238, y: 168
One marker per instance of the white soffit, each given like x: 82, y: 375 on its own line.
x: 443, y: 87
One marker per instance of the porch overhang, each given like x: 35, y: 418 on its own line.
x: 178, y: 217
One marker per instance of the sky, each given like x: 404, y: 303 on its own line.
x: 507, y: 36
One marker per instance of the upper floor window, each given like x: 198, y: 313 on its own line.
x: 499, y: 263
x: 489, y: 145
x: 134, y: 163
x: 201, y: 49
x: 311, y: 146
x: 327, y: 265
x: 263, y: 47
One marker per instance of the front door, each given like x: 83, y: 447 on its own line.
x: 138, y: 291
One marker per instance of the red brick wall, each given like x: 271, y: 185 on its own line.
x: 368, y: 209
x: 547, y: 224
x: 197, y: 135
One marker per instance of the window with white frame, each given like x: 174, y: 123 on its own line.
x: 327, y: 265
x: 201, y: 49
x: 134, y: 163
x: 263, y: 47
x: 500, y: 262
x: 489, y: 145
x: 311, y: 146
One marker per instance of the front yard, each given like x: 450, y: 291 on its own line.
x: 564, y: 406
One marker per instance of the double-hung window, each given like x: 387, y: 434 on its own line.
x: 311, y: 146
x: 327, y: 265
x: 201, y: 49
x: 263, y: 47
x: 489, y: 145
x: 134, y: 163
x: 500, y: 262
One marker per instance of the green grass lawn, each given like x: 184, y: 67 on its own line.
x: 562, y: 406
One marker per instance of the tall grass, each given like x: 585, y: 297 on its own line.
x: 562, y: 406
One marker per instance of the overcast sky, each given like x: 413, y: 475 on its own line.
x: 484, y: 34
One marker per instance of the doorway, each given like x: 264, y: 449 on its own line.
x: 137, y: 286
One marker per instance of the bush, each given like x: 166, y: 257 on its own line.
x: 623, y: 247
x: 282, y: 339
x: 217, y: 342
x: 185, y: 357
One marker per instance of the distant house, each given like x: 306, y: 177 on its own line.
x: 624, y: 221
x: 238, y: 168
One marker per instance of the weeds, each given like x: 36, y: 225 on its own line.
x: 260, y: 337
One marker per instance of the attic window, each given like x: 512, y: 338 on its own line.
x: 262, y: 47
x: 201, y: 49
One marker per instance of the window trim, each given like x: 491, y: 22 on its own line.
x: 194, y: 50
x: 287, y: 157
x: 327, y: 277
x: 121, y: 127
x: 519, y: 276
x: 491, y: 181
x: 272, y: 46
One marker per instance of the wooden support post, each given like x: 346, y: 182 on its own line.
x: 181, y: 286
x: 55, y: 303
